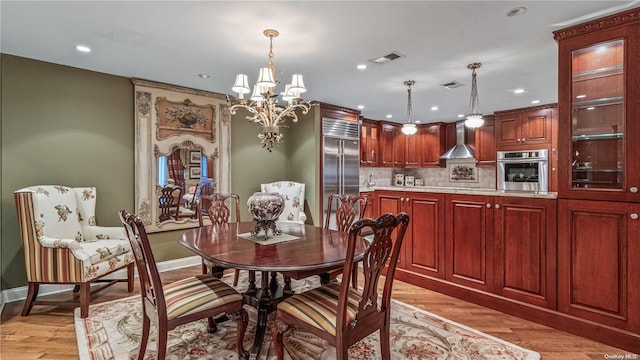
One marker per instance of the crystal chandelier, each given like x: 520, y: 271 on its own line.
x: 474, y: 116
x: 409, y: 127
x: 263, y: 104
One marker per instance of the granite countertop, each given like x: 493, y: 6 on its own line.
x: 462, y: 190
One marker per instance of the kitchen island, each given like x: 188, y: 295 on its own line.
x: 494, y: 248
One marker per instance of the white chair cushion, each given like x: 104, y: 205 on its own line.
x: 95, y: 252
x: 293, y: 194
x: 56, y: 212
x: 86, y: 203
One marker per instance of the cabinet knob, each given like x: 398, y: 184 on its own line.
x: 553, y: 169
x: 407, y: 199
x: 523, y: 139
x: 634, y: 216
x: 373, y: 155
x: 488, y: 205
x: 519, y: 139
x: 497, y: 206
x: 633, y: 189
x: 401, y: 199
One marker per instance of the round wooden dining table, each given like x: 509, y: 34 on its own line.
x: 308, y: 250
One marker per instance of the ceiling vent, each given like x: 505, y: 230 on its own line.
x: 452, y: 85
x: 394, y: 55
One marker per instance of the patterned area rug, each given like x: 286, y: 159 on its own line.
x: 113, y: 331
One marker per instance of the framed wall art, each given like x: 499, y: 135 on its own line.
x: 195, y: 172
x: 195, y: 157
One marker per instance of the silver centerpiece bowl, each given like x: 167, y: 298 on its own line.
x: 265, y: 209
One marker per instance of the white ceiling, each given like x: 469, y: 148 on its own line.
x: 174, y: 41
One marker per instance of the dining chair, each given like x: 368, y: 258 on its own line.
x: 63, y: 244
x: 215, y: 207
x: 340, y: 218
x: 180, y: 302
x: 169, y: 202
x: 340, y: 314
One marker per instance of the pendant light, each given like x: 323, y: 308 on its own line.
x: 474, y: 116
x: 409, y: 127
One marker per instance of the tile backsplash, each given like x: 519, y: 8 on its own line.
x: 431, y: 177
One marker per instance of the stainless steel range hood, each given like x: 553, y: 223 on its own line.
x: 461, y: 150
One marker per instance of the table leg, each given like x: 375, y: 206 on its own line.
x: 287, y: 285
x: 252, y: 283
x: 264, y: 304
x: 324, y: 278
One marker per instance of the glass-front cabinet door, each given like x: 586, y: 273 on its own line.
x: 599, y: 120
x: 597, y: 117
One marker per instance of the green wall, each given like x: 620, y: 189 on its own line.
x: 252, y: 165
x: 305, y: 160
x: 63, y: 125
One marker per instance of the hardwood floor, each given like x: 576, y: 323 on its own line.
x: 49, y: 333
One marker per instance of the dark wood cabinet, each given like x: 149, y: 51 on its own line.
x: 525, y: 249
x: 369, y: 143
x: 433, y: 144
x: 598, y: 92
x: 392, y: 202
x: 599, y: 262
x: 370, y: 211
x: 412, y: 149
x: 388, y: 133
x: 485, y: 142
x: 383, y: 144
x: 424, y: 249
x: 469, y: 241
x: 399, y: 146
x: 526, y: 128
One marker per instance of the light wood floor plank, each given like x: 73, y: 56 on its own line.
x: 49, y: 333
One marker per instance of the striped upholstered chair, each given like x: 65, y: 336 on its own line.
x: 180, y: 302
x: 63, y: 245
x: 340, y: 314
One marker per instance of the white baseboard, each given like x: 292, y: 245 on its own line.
x: 20, y: 293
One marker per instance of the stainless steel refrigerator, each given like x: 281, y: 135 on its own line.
x: 340, y: 161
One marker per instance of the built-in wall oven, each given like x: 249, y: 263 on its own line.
x: 525, y: 170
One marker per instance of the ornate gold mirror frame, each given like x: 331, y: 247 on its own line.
x: 169, y: 118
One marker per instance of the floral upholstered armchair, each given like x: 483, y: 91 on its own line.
x: 293, y: 193
x: 63, y: 245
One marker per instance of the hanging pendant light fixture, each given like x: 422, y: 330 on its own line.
x: 263, y: 102
x: 474, y: 116
x: 409, y: 127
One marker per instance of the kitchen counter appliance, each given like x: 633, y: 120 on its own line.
x: 525, y: 170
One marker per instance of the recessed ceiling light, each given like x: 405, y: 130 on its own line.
x: 389, y: 116
x: 360, y: 107
x: 83, y: 48
x: 460, y: 115
x: 517, y: 11
x: 535, y: 101
x: 204, y: 76
x: 434, y: 108
x: 581, y: 96
x: 362, y: 66
x: 518, y: 91
x: 417, y: 121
